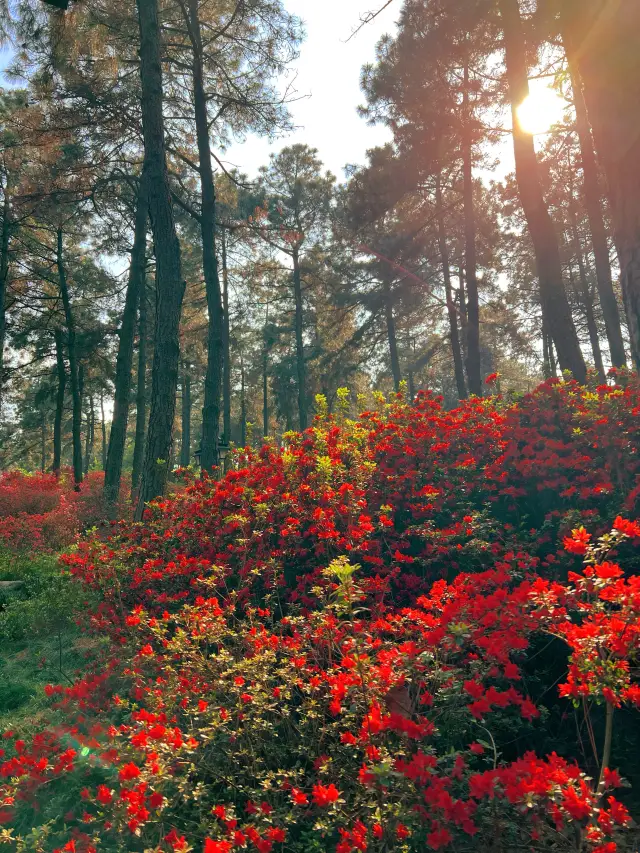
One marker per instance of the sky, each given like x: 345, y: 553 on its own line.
x: 327, y: 80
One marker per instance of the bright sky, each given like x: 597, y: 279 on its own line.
x: 328, y: 75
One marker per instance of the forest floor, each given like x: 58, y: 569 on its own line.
x: 39, y: 642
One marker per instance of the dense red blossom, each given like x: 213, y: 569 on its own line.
x: 331, y: 645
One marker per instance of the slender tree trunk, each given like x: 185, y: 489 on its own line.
x: 462, y: 301
x: 124, y: 360
x: 90, y: 436
x: 62, y: 384
x: 555, y: 305
x: 474, y: 377
x: 587, y: 301
x: 141, y: 391
x: 243, y: 404
x: 4, y: 276
x: 185, y: 448
x: 265, y: 380
x: 103, y: 428
x: 604, y: 40
x: 391, y: 332
x: 584, y: 291
x: 76, y: 392
x: 43, y: 442
x: 300, y: 360
x: 410, y: 373
x: 215, y: 339
x: 593, y: 204
x: 170, y: 285
x: 454, y: 335
x: 81, y: 384
x: 226, y: 378
x: 546, y: 353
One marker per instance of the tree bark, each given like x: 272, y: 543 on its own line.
x: 462, y: 303
x: 454, y: 335
x: 141, y: 391
x: 170, y: 285
x: 243, y: 405
x: 43, y: 441
x: 265, y: 381
x: 62, y: 383
x: 593, y: 204
x: 226, y: 378
x: 90, y: 436
x: 4, y: 276
x: 585, y: 292
x: 474, y: 377
x: 301, y: 366
x: 555, y: 305
x: 76, y: 393
x: 604, y: 36
x: 185, y: 447
x: 215, y: 338
x: 103, y: 427
x: 124, y: 359
x: 391, y: 332
x: 587, y: 302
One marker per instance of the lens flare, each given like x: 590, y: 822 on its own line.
x: 540, y: 110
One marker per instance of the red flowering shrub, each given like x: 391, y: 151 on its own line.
x: 41, y: 512
x: 342, y: 646
x: 410, y: 493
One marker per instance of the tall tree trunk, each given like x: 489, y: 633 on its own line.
x: 462, y: 302
x: 141, y: 391
x: 300, y: 360
x: 585, y: 292
x: 62, y: 384
x: 454, y: 335
x: 185, y: 448
x: 90, y: 436
x: 243, y: 404
x: 124, y: 359
x: 410, y: 373
x: 4, y: 276
x: 76, y: 392
x: 103, y: 428
x: 587, y: 301
x: 604, y: 39
x: 391, y: 332
x: 43, y: 441
x: 265, y: 380
x: 550, y: 368
x: 555, y: 305
x: 470, y: 261
x: 226, y: 378
x: 81, y: 384
x: 593, y: 204
x: 170, y: 285
x: 546, y: 354
x: 215, y: 337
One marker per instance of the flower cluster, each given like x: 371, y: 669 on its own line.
x: 395, y: 633
x: 42, y: 512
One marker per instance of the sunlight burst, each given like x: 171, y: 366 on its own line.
x: 540, y: 110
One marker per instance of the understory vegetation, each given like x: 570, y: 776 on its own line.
x: 413, y: 628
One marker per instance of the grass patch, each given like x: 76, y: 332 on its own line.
x: 39, y: 641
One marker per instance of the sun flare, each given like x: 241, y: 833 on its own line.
x: 540, y: 110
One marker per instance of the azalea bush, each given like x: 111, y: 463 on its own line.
x: 42, y: 512
x: 414, y: 630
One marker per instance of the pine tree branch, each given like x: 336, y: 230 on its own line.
x: 368, y: 18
